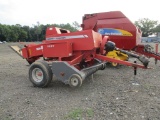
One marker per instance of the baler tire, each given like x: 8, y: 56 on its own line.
x: 75, y: 81
x: 45, y: 72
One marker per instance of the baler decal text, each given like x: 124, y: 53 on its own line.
x: 112, y: 31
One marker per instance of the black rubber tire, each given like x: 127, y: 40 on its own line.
x: 47, y: 73
x: 77, y: 77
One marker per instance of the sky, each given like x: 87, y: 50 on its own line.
x: 29, y: 12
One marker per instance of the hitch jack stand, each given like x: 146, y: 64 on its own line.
x: 135, y: 73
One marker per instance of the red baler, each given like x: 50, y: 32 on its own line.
x: 120, y: 30
x: 71, y: 57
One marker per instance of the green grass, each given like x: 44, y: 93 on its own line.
x: 90, y: 112
x: 78, y: 114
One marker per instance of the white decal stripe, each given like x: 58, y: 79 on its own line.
x: 67, y: 37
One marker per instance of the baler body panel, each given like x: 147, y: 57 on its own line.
x: 116, y: 25
x: 32, y: 50
x: 61, y: 49
x: 66, y: 45
x: 82, y: 40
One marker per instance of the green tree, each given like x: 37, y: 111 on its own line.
x: 157, y: 28
x: 23, y: 35
x: 17, y: 31
x: 67, y: 26
x: 6, y: 32
x: 76, y: 25
x: 27, y: 30
x: 37, y: 30
x: 146, y: 25
x: 13, y: 36
x: 2, y: 37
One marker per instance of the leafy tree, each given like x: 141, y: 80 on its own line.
x: 43, y: 31
x: 13, y: 36
x: 27, y: 30
x: 6, y: 32
x: 66, y: 26
x: 76, y: 25
x: 157, y: 28
x: 37, y: 30
x: 2, y: 37
x: 146, y: 25
x: 23, y: 35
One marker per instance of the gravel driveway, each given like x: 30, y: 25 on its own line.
x: 111, y: 95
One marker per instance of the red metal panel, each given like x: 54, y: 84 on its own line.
x: 34, y: 51
x: 61, y: 49
x: 110, y: 15
x: 25, y: 53
x: 82, y: 40
x: 124, y: 42
x: 115, y: 20
x: 54, y: 30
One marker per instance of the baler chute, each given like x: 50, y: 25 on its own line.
x: 17, y: 49
x: 71, y: 57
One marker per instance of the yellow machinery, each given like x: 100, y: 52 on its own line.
x: 117, y: 55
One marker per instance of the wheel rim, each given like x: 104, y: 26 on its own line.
x: 37, y: 75
x: 114, y: 64
x: 74, y: 81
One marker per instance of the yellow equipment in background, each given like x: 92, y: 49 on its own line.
x: 117, y: 55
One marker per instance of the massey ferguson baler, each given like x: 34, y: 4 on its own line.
x: 71, y: 57
x: 120, y: 30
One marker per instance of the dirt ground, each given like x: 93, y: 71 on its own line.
x: 111, y: 95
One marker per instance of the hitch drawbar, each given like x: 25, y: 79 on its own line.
x: 40, y: 73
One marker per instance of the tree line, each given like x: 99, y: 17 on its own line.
x: 147, y: 26
x: 16, y: 33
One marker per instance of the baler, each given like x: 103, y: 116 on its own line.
x: 71, y: 57
x: 121, y: 31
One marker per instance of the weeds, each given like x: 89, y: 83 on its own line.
x: 78, y: 114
